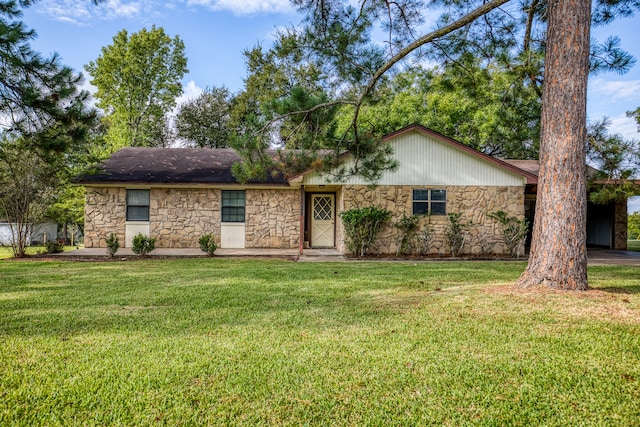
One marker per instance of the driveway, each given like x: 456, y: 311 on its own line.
x: 613, y: 257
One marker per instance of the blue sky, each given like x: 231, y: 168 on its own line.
x: 215, y: 33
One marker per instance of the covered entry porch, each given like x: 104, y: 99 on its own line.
x: 321, y: 205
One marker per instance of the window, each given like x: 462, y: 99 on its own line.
x: 232, y: 206
x: 137, y: 205
x: 428, y: 201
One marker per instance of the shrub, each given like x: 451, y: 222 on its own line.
x: 361, y: 227
x: 408, y: 227
x: 456, y: 232
x: 208, y: 244
x: 142, y: 244
x: 633, y: 226
x: 424, y: 239
x: 113, y: 244
x: 54, y: 246
x: 486, y: 241
x: 514, y: 231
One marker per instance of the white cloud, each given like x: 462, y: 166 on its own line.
x: 615, y: 90
x: 633, y: 204
x: 116, y: 9
x: 71, y: 11
x: 79, y: 12
x: 625, y: 126
x: 85, y: 85
x: 190, y: 91
x: 245, y: 7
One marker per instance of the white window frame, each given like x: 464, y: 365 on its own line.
x: 128, y: 218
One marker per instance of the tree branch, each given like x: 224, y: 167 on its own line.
x: 305, y: 112
x: 529, y: 26
x: 427, y: 38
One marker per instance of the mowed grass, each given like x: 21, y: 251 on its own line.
x: 6, y: 252
x: 266, y: 342
x: 633, y: 245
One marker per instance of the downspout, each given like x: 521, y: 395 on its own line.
x: 302, y: 213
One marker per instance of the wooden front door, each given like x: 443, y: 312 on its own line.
x: 323, y: 221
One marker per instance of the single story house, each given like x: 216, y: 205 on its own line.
x: 178, y: 194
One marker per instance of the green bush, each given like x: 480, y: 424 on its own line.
x: 54, y: 246
x: 408, y: 227
x: 633, y: 226
x: 456, y: 232
x: 208, y: 244
x: 424, y: 239
x: 361, y: 227
x: 142, y: 244
x: 514, y: 231
x: 113, y: 244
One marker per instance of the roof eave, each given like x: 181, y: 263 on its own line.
x: 181, y: 184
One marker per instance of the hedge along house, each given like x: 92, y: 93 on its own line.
x: 179, y: 194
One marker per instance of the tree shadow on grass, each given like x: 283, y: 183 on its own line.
x: 615, y: 279
x: 630, y: 289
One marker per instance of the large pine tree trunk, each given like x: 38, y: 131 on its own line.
x: 558, y: 256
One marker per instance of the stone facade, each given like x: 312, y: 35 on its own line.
x: 272, y: 218
x: 473, y: 202
x: 621, y: 218
x: 104, y: 213
x: 178, y: 217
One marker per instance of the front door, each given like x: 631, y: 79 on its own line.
x: 322, y: 221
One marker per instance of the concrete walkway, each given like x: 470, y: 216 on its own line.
x: 184, y: 253
x: 596, y: 256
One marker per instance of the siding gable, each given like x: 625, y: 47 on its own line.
x: 426, y: 160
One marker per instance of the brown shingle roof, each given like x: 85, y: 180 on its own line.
x: 531, y: 166
x: 171, y: 166
x: 214, y: 165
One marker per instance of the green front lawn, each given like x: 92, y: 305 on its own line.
x: 254, y: 342
x: 6, y: 252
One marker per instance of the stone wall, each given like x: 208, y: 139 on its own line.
x: 272, y: 218
x: 104, y: 213
x: 620, y: 225
x: 178, y: 217
x: 340, y: 206
x: 474, y: 203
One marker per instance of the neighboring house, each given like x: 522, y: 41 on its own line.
x: 179, y: 194
x: 39, y: 235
